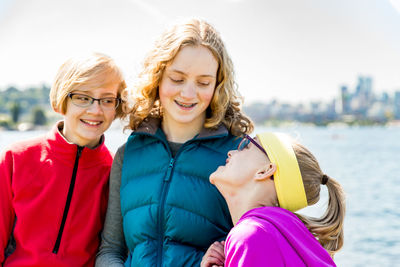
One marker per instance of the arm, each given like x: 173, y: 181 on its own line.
x: 7, y: 214
x: 113, y: 250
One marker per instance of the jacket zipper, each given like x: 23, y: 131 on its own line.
x: 68, y: 202
x: 166, y: 184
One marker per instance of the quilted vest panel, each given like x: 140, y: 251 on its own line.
x: 171, y: 212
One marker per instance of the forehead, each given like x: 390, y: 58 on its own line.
x: 99, y: 89
x: 194, y: 59
x: 105, y: 80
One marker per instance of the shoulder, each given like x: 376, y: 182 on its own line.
x: 251, y: 230
x: 228, y: 140
x: 265, y: 223
x: 220, y: 144
x: 272, y: 216
x: 25, y: 146
x: 120, y: 151
x: 103, y: 155
x: 23, y: 153
x: 251, y: 242
x: 119, y: 156
x: 138, y: 140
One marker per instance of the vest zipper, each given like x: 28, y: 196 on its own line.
x: 68, y: 202
x: 160, y: 220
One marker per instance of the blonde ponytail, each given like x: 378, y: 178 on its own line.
x: 329, y: 228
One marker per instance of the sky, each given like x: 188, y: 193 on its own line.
x: 290, y: 50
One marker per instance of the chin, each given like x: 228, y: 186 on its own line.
x: 214, y: 176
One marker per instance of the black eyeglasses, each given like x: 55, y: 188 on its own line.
x: 85, y: 101
x: 246, y: 141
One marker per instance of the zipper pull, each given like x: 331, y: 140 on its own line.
x: 169, y: 172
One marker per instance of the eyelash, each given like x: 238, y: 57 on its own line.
x: 176, y: 81
x: 180, y: 81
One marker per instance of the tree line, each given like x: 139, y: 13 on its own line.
x: 30, y: 105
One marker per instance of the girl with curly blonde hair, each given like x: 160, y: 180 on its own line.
x: 185, y: 116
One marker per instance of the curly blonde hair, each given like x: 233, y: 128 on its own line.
x: 225, y: 106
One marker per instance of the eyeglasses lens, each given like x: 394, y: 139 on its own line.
x: 86, y: 101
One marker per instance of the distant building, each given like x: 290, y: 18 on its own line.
x: 397, y: 105
x: 345, y: 97
x: 360, y: 101
x: 385, y: 99
x: 363, y: 97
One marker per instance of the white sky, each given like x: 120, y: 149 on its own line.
x: 292, y: 50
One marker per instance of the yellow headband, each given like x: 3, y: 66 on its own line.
x: 287, y: 178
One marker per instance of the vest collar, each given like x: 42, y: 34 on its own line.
x: 151, y: 125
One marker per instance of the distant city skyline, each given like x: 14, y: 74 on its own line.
x: 353, y: 106
x: 294, y: 51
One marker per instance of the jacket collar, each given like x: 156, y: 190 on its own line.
x: 64, y: 149
x: 60, y: 126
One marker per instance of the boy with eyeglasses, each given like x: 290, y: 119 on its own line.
x: 54, y: 188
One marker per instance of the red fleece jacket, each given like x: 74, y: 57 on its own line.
x: 35, y: 181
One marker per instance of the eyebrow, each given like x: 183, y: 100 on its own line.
x: 183, y: 73
x: 88, y: 93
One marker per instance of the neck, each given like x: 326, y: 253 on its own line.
x: 248, y: 198
x: 72, y: 140
x: 181, y: 132
x: 238, y: 207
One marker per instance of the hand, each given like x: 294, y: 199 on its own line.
x: 215, y: 256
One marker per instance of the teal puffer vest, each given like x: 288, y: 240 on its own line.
x: 171, y: 212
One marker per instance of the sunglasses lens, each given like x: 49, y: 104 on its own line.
x: 243, y: 144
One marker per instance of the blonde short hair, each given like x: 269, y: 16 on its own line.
x: 225, y: 106
x: 94, y: 70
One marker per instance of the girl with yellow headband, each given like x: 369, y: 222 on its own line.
x: 264, y: 181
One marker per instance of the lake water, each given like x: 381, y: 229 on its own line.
x: 366, y: 161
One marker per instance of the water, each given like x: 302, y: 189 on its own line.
x: 366, y: 161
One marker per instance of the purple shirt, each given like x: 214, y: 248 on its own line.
x: 272, y: 236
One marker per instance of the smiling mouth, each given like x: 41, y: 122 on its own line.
x: 91, y: 123
x: 184, y: 105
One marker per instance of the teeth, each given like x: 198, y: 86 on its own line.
x: 185, y: 105
x: 91, y: 122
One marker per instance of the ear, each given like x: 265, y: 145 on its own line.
x: 265, y: 172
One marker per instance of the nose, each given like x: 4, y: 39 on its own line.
x: 230, y: 153
x: 95, y: 107
x: 188, y: 91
